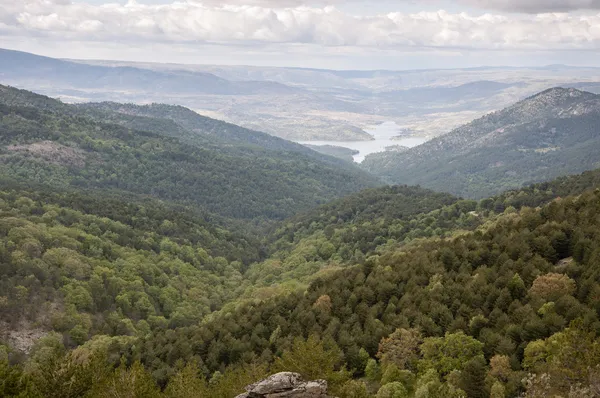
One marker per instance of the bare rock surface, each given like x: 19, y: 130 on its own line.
x: 286, y: 385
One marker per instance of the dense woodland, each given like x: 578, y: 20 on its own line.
x: 132, y: 286
x: 45, y: 144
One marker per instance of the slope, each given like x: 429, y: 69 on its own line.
x: 56, y: 144
x: 348, y: 230
x: 542, y: 137
x: 488, y: 296
x: 115, y: 278
x: 81, y: 265
x: 216, y: 130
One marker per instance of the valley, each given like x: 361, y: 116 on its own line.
x: 295, y: 103
x: 299, y: 199
x: 385, y: 137
x: 147, y: 250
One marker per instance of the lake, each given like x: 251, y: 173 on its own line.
x: 383, y: 134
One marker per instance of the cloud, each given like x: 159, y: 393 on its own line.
x: 194, y: 22
x: 536, y: 6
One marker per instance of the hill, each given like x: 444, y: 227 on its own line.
x: 119, y: 280
x: 465, y: 313
x: 45, y: 141
x: 443, y: 297
x: 348, y: 230
x: 191, y: 122
x: 542, y: 137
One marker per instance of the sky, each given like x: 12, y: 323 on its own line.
x: 334, y: 34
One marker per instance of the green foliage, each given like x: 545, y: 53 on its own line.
x: 314, y: 359
x: 373, y: 370
x: 354, y: 389
x: 66, y: 376
x: 472, y: 378
x: 462, y: 293
x: 187, y: 383
x: 392, y: 390
x: 128, y: 382
x: 46, y: 142
x: 430, y: 386
x: 451, y: 352
x: 498, y: 390
x: 353, y: 228
x: 81, y: 273
x: 453, y: 297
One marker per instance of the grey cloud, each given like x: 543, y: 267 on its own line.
x: 535, y: 6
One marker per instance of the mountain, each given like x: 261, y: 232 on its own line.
x: 16, y: 66
x: 132, y: 265
x: 447, y: 97
x: 172, y: 120
x: 542, y: 137
x: 67, y: 147
x: 197, y: 125
x: 294, y: 103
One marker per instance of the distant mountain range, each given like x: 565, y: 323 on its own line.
x: 20, y: 66
x: 553, y: 133
x: 296, y: 103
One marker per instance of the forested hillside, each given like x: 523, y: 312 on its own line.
x: 395, y: 291
x: 551, y: 134
x: 84, y: 266
x: 142, y: 256
x: 476, y: 312
x: 47, y: 142
x: 216, y: 130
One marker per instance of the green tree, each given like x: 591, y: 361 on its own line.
x: 450, y: 352
x: 392, y: 390
x: 314, y: 359
x: 354, y: 389
x: 187, y: 383
x: 401, y: 348
x: 472, y: 378
x: 498, y: 390
x: 373, y: 370
x: 128, y: 382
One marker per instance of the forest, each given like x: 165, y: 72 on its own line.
x: 136, y: 264
x: 46, y: 142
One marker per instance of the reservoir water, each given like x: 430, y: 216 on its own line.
x: 383, y: 135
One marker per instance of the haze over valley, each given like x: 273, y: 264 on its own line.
x: 303, y: 105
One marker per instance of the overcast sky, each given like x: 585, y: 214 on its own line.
x: 340, y: 34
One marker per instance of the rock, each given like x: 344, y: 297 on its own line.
x: 286, y: 385
x: 276, y: 383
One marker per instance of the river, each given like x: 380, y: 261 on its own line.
x: 383, y: 134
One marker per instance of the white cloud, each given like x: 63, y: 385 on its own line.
x: 190, y: 21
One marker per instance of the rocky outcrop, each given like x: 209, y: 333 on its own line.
x: 286, y: 385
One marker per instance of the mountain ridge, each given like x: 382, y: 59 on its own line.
x: 52, y: 141
x: 17, y: 64
x: 526, y: 142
